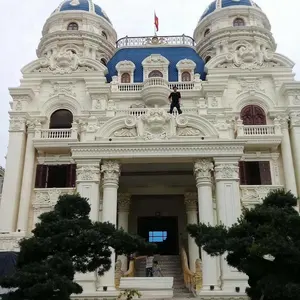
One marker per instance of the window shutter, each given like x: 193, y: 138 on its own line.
x: 265, y: 173
x: 41, y: 176
x: 242, y: 173
x: 71, y: 181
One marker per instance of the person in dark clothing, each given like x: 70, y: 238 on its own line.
x: 174, y: 99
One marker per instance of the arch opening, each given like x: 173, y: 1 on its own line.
x: 253, y: 115
x: 61, y: 119
x: 155, y: 73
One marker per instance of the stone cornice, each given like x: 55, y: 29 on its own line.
x: 188, y: 149
x: 22, y: 92
x: 287, y: 87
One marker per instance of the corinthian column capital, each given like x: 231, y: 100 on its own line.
x: 111, y: 172
x: 202, y: 170
x: 124, y: 201
x: 190, y: 201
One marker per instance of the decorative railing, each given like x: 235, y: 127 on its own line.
x: 192, y: 281
x: 141, y: 111
x: 132, y: 87
x: 151, y: 41
x: 56, y: 133
x: 258, y: 130
x: 254, y: 194
x: 155, y: 81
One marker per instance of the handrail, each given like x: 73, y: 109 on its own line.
x: 192, y: 281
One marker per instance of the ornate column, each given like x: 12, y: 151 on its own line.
x: 13, y: 175
x: 190, y: 200
x: 27, y: 180
x: 229, y: 210
x: 210, y: 265
x: 87, y: 183
x: 111, y: 173
x: 123, y: 213
x: 295, y: 139
x: 287, y: 157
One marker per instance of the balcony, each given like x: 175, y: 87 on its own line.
x: 155, y: 91
x: 259, y: 135
x: 55, y: 138
x: 254, y: 194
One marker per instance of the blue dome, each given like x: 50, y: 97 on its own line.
x: 82, y: 5
x: 218, y: 4
x: 173, y: 54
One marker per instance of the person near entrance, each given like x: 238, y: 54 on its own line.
x: 174, y: 99
x: 149, y: 264
x: 156, y: 270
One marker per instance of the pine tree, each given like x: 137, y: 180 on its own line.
x: 264, y: 244
x: 66, y: 241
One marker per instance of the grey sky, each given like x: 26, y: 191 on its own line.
x: 21, y: 23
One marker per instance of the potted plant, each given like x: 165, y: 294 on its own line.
x: 129, y: 294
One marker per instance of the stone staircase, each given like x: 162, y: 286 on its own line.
x: 171, y: 267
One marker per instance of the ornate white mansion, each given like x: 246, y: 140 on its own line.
x: 92, y: 115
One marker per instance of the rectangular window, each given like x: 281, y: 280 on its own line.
x: 255, y: 173
x: 55, y: 176
x: 157, y: 236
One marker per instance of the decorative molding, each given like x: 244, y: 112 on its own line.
x: 125, y: 132
x: 88, y: 173
x: 156, y: 62
x: 227, y: 171
x: 189, y: 131
x: 191, y: 148
x: 10, y: 242
x: 283, y: 120
x: 203, y: 169
x: 63, y: 88
x: 250, y: 84
x: 191, y: 201
x: 111, y: 171
x: 295, y: 119
x: 17, y: 124
x: 186, y: 65
x: 124, y: 201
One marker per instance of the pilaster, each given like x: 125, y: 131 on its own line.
x: 13, y: 175
x: 124, y: 201
x: 229, y: 210
x: 190, y: 201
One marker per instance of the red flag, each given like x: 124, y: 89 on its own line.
x: 156, y: 21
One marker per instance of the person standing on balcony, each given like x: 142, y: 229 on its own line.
x: 174, y: 99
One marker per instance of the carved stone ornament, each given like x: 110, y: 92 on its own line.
x: 295, y: 119
x: 156, y: 124
x: 188, y: 131
x: 155, y: 59
x: 248, y: 57
x: 111, y: 171
x: 63, y: 88
x: 250, y: 85
x: 125, y: 132
x: 186, y: 64
x: 203, y: 168
x: 47, y: 198
x: 283, y: 120
x: 296, y: 97
x: 124, y: 201
x: 10, y: 242
x: 62, y: 62
x: 88, y: 173
x: 191, y: 201
x: 17, y: 124
x: 125, y: 66
x: 227, y: 171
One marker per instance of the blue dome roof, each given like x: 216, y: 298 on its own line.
x: 82, y: 5
x: 218, y: 4
x: 173, y: 54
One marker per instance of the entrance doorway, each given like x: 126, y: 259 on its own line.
x: 163, y: 231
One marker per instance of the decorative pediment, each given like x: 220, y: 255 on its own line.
x: 186, y: 65
x: 156, y: 60
x: 125, y: 66
x: 157, y: 124
x: 247, y: 57
x: 64, y: 62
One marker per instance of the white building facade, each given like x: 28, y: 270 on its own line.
x: 91, y: 115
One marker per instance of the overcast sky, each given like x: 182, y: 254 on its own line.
x: 21, y: 23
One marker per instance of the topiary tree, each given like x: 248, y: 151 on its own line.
x: 264, y: 244
x: 64, y: 242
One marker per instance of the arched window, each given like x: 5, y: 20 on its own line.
x: 155, y: 73
x: 253, y: 115
x: 103, y: 61
x: 206, y: 32
x: 125, y: 78
x: 73, y: 26
x: 238, y: 22
x: 61, y: 119
x: 186, y: 76
x: 104, y: 35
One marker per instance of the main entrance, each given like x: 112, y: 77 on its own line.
x: 163, y: 231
